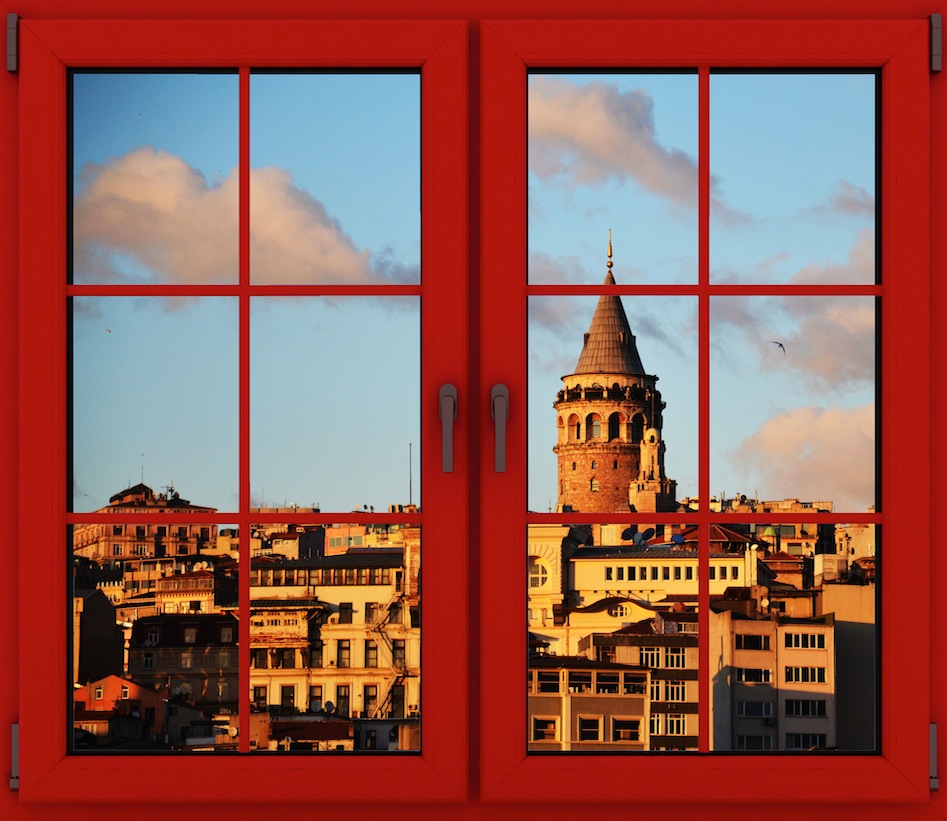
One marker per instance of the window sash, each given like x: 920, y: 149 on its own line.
x: 48, y: 48
x: 899, y: 48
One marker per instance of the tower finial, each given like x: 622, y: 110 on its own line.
x: 609, y: 263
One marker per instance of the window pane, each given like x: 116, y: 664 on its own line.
x: 335, y: 180
x: 799, y: 661
x: 795, y: 155
x: 335, y: 406
x: 154, y: 164
x: 623, y: 429
x: 335, y: 637
x: 793, y: 399
x: 619, y: 151
x: 153, y: 399
x: 154, y: 634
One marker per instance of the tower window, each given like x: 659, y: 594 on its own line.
x: 595, y: 430
x: 573, y: 465
x: 594, y: 464
x: 593, y: 485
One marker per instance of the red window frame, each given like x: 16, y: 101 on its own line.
x: 496, y: 760
x: 900, y: 48
x: 438, y: 49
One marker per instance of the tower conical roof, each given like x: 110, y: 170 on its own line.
x: 609, y: 344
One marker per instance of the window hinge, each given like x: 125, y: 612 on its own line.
x: 14, y: 756
x: 937, y: 43
x: 13, y: 25
x: 935, y: 781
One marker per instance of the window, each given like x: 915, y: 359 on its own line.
x: 258, y: 658
x: 371, y: 653
x: 545, y: 729
x: 755, y: 709
x: 538, y: 574
x: 370, y: 700
x: 344, y: 653
x: 748, y: 641
x: 187, y: 660
x: 753, y: 675
x: 345, y: 612
x: 398, y: 653
x: 124, y: 692
x: 755, y: 742
x: 99, y: 693
x: 590, y: 728
x: 315, y: 698
x: 190, y: 635
x: 674, y: 657
x: 805, y: 708
x: 805, y: 640
x: 676, y: 724
x: 504, y: 776
x: 805, y: 741
x: 626, y: 729
x: 342, y: 696
x: 806, y: 675
x: 675, y: 691
x: 259, y: 696
x: 287, y: 698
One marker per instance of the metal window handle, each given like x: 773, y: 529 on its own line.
x: 448, y: 414
x: 500, y: 411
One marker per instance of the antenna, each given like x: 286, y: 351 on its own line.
x: 410, y: 472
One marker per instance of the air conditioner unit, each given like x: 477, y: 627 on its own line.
x: 768, y: 721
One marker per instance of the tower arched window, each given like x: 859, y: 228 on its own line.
x: 637, y: 428
x: 593, y: 485
x: 593, y: 426
x: 594, y: 464
x: 614, y: 426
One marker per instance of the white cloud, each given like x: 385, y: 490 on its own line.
x: 149, y: 216
x: 592, y: 133
x: 813, y: 454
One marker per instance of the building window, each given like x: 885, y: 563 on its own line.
x: 755, y: 742
x: 805, y: 675
x: 315, y: 653
x: 676, y: 724
x: 805, y: 741
x: 621, y: 573
x: 258, y: 657
x: 650, y: 656
x: 186, y: 661
x: 398, y: 654
x: 538, y: 574
x: 805, y: 641
x: 124, y: 692
x: 259, y: 696
x: 226, y: 635
x: 99, y: 693
x: 608, y: 574
x: 677, y: 573
x: 750, y: 641
x: 345, y: 612
x: 675, y: 691
x: 753, y: 675
x: 665, y: 574
x: 674, y: 657
x: 342, y: 697
x: 371, y: 653
x: 344, y: 653
x: 287, y: 698
x: 590, y: 728
x: 755, y: 709
x: 116, y: 550
x: 806, y: 707
x: 545, y: 729
x: 148, y: 661
x: 370, y: 700
x: 315, y: 698
x: 626, y: 729
x: 593, y: 485
x: 594, y: 465
x: 370, y: 739
x: 223, y: 658
x: 190, y: 635
x: 397, y: 701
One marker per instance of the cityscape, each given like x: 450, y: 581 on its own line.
x: 613, y: 610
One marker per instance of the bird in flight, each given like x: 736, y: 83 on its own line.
x: 781, y: 346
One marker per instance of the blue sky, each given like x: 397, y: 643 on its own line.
x: 335, y: 198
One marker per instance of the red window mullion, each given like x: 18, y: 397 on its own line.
x: 243, y: 520
x: 703, y: 394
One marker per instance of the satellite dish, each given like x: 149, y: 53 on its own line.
x: 677, y: 538
x: 316, y: 705
x: 234, y: 732
x: 649, y: 534
x: 330, y: 707
x: 638, y: 538
x: 288, y: 740
x: 628, y: 534
x: 764, y: 602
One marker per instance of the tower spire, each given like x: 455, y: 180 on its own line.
x: 609, y: 263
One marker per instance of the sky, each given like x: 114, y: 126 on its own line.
x: 335, y: 199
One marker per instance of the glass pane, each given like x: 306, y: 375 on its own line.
x: 613, y: 151
x: 621, y: 376
x: 613, y: 650
x: 153, y: 399
x: 798, y: 638
x: 335, y: 184
x: 793, y: 400
x: 335, y: 632
x: 154, y: 165
x: 335, y: 402
x: 794, y: 155
x: 154, y: 638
